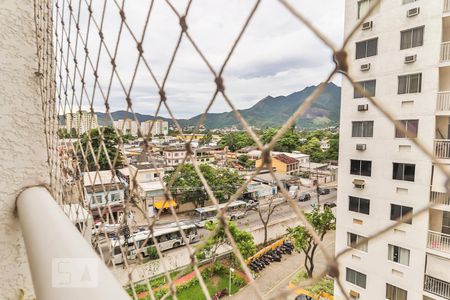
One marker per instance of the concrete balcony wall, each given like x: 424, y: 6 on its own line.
x: 23, y: 149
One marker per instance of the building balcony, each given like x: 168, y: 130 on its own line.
x: 439, y: 198
x: 443, y: 102
x: 437, y: 287
x: 438, y: 241
x: 442, y: 148
x: 445, y: 51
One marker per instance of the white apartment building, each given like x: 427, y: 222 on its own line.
x: 127, y: 126
x: 155, y: 127
x: 401, y: 55
x: 81, y: 121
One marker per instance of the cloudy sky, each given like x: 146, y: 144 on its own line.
x: 276, y: 56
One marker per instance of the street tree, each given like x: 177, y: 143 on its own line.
x: 236, y: 140
x: 94, y: 137
x: 187, y: 186
x: 244, y: 241
x: 265, y: 211
x: 322, y: 222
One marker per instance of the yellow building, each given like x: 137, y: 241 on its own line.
x: 283, y: 164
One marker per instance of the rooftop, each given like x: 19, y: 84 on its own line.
x: 286, y: 159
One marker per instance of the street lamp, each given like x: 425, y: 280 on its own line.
x: 231, y: 270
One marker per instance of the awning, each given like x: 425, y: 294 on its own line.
x: 164, y: 204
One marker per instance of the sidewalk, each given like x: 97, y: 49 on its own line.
x: 275, y: 277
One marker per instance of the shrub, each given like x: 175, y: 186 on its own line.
x: 152, y: 252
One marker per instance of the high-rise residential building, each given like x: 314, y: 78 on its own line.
x: 81, y: 121
x: 401, y: 56
x: 127, y: 126
x: 157, y: 127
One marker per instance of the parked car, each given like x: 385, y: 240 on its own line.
x: 304, y: 197
x: 252, y: 204
x: 324, y: 191
x: 329, y: 204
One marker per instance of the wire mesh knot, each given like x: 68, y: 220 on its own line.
x: 333, y: 270
x: 219, y: 84
x: 183, y: 24
x: 266, y: 159
x: 139, y: 47
x: 189, y: 150
x: 162, y: 95
x: 122, y: 15
x: 340, y: 59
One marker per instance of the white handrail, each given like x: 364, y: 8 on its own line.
x: 443, y: 101
x: 446, y: 5
x: 63, y: 265
x: 445, y: 51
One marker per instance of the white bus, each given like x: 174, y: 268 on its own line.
x: 139, y: 243
x: 235, y: 210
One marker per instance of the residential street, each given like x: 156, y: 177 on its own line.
x: 281, y: 219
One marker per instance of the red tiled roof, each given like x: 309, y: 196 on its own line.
x: 286, y: 159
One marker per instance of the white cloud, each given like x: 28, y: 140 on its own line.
x: 277, y: 54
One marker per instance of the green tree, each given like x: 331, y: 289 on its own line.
x: 236, y: 140
x: 333, y: 152
x: 206, y: 139
x: 322, y: 222
x: 188, y: 188
x: 287, y: 143
x: 244, y: 241
x: 111, y: 141
x: 244, y: 161
x: 73, y: 132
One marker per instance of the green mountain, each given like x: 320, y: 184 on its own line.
x: 268, y: 112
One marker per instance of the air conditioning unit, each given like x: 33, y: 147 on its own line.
x: 361, y: 147
x: 365, y: 67
x: 367, y: 25
x: 413, y: 12
x: 363, y: 107
x: 359, y: 183
x: 353, y: 294
x: 410, y: 59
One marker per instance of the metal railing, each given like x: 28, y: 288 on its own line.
x: 437, y: 287
x: 439, y: 198
x: 446, y: 5
x: 445, y: 51
x: 438, y: 241
x: 442, y: 148
x: 63, y: 265
x: 443, y: 102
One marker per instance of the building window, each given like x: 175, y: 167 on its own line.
x: 398, y: 254
x: 411, y: 127
x: 405, y: 172
x: 360, y: 167
x: 412, y: 38
x: 408, y: 1
x: 359, y: 205
x: 446, y: 222
x: 395, y: 293
x: 399, y: 213
x: 410, y: 84
x: 364, y: 7
x: 115, y: 197
x: 354, y: 239
x: 367, y: 48
x: 362, y: 129
x: 97, y: 199
x: 355, y: 277
x: 368, y: 87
